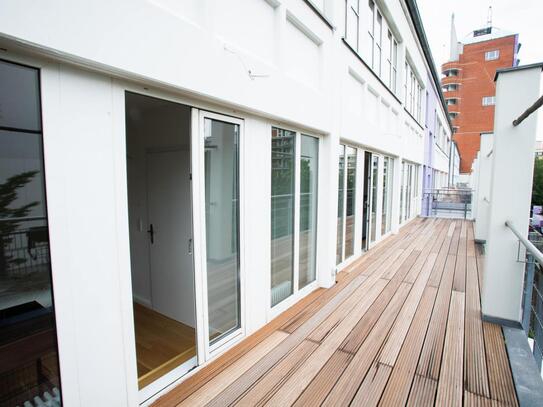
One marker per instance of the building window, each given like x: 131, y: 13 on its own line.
x: 378, y: 48
x: 453, y: 115
x: 294, y: 162
x: 346, y: 202
x: 452, y: 101
x: 489, y: 100
x: 378, y: 44
x: 413, y: 93
x: 352, y: 23
x: 451, y: 87
x: 492, y: 55
x: 29, y: 357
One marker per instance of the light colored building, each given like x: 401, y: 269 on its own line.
x: 195, y: 168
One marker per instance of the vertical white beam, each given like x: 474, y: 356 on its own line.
x: 511, y: 188
x: 485, y: 171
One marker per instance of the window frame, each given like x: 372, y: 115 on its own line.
x: 492, y: 55
x: 297, y: 293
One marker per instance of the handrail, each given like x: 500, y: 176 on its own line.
x: 538, y: 256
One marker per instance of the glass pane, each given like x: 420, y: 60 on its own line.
x: 309, y: 163
x: 385, y: 196
x: 282, y: 215
x: 340, y: 203
x: 222, y: 225
x: 374, y: 173
x: 390, y: 193
x: 19, y: 97
x: 350, y: 209
x: 29, y: 359
x: 408, y: 192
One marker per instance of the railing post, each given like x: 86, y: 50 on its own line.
x: 528, y: 287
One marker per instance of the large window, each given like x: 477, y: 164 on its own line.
x: 352, y: 23
x: 409, y: 191
x: 379, y: 48
x: 388, y: 174
x: 413, y: 93
x: 282, y: 214
x: 293, y: 212
x: 309, y: 170
x: 346, y: 202
x: 29, y: 368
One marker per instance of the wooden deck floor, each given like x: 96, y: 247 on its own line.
x: 401, y: 327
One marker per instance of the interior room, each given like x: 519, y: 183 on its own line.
x: 160, y: 223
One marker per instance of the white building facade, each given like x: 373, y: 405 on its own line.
x: 200, y: 164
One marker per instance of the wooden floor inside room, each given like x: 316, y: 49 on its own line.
x: 402, y: 326
x: 162, y: 344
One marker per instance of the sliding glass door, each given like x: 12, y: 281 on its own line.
x: 217, y: 167
x: 374, y: 190
x: 282, y: 209
x: 309, y: 170
x: 294, y: 189
x: 346, y: 202
x: 388, y: 173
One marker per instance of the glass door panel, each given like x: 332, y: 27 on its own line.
x: 350, y: 204
x: 221, y: 167
x: 340, y: 203
x: 282, y: 214
x: 374, y: 181
x: 309, y: 163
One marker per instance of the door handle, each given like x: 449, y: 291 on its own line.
x: 151, y: 232
x: 190, y: 246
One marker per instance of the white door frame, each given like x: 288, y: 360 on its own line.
x: 205, y: 350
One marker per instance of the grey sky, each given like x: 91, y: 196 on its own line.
x: 524, y: 17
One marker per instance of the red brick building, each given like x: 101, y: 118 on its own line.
x: 469, y: 87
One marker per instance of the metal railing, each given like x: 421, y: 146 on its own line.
x: 452, y: 203
x: 532, y: 301
x: 24, y: 250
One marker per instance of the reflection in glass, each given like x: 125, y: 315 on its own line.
x: 402, y: 193
x: 374, y: 181
x: 350, y: 207
x: 19, y: 97
x: 340, y: 203
x: 309, y: 163
x: 388, y: 171
x: 28, y: 357
x: 282, y: 214
x: 408, y: 189
x: 222, y: 226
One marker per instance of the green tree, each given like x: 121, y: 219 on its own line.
x: 8, y: 194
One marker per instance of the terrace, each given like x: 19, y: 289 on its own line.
x: 402, y: 325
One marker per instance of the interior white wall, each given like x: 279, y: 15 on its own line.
x: 153, y: 127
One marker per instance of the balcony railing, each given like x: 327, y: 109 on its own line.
x: 532, y: 303
x: 447, y: 203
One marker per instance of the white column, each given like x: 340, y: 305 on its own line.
x: 474, y: 185
x: 511, y: 189
x: 483, y: 196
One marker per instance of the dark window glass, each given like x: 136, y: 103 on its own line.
x: 28, y: 349
x: 19, y: 97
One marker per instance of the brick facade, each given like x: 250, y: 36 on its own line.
x: 476, y: 80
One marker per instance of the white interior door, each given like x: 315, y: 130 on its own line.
x: 170, y: 234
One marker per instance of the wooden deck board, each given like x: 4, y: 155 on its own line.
x: 401, y: 326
